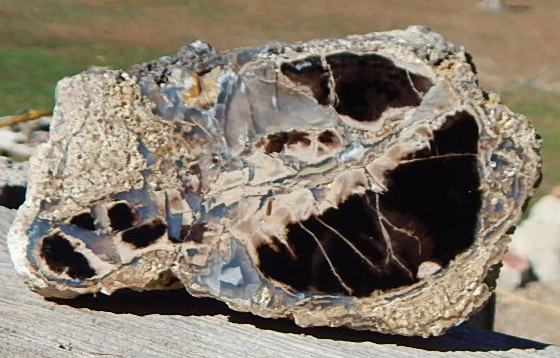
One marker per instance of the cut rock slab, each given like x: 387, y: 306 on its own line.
x: 364, y: 182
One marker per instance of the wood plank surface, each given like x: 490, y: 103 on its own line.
x: 174, y: 324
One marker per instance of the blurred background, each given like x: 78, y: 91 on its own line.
x: 514, y: 43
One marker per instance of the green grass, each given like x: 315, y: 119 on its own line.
x: 29, y: 75
x: 32, y: 62
x: 28, y: 79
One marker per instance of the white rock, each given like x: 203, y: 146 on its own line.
x: 538, y: 238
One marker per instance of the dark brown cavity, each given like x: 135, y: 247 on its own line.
x: 309, y: 72
x: 434, y: 204
x: 457, y: 135
x: 61, y: 257
x: 12, y: 196
x: 378, y: 241
x: 275, y: 142
x: 365, y: 85
x: 83, y: 220
x: 194, y: 232
x: 144, y: 235
x: 122, y: 216
x: 328, y: 138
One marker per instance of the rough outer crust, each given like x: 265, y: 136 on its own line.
x: 215, y: 154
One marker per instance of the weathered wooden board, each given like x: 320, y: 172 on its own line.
x: 172, y: 324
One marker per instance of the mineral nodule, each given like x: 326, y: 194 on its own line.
x: 364, y: 182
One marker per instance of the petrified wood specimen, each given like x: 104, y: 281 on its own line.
x: 364, y: 182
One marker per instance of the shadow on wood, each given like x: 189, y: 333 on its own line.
x: 179, y: 302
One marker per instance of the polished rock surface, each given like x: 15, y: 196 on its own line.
x: 364, y: 182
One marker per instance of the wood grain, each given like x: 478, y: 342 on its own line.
x: 174, y: 324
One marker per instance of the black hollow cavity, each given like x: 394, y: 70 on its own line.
x: 365, y: 85
x: 444, y: 194
x: 309, y: 72
x: 144, y: 235
x: 61, y: 257
x: 378, y: 241
x: 121, y: 216
x: 457, y: 135
x: 12, y: 196
x: 83, y: 220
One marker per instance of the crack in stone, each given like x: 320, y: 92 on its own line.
x: 349, y: 243
x: 393, y: 226
x: 387, y: 238
x: 326, y: 256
